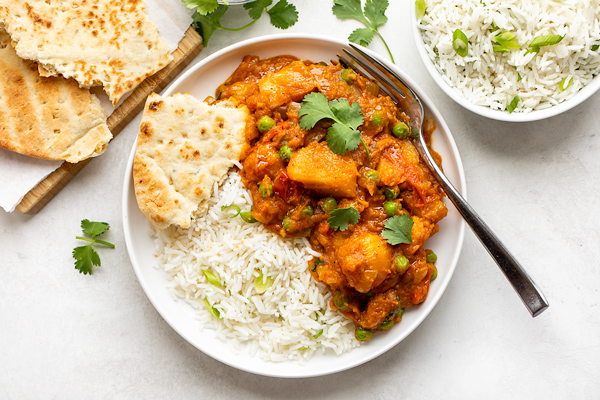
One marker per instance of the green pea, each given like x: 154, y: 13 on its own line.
x: 372, y: 175
x: 265, y: 123
x: 285, y: 153
x: 265, y: 190
x: 387, y: 324
x: 400, y: 130
x: 363, y: 335
x: 339, y: 300
x: 431, y: 257
x: 401, y: 263
x: 329, y: 204
x: 433, y: 274
x: 287, y: 223
x: 390, y: 208
x: 348, y: 75
x: 308, y: 211
x: 391, y: 193
x: 377, y: 119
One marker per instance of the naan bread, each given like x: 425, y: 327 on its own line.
x: 184, y: 146
x: 111, y: 43
x: 49, y: 118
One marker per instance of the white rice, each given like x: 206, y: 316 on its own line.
x: 491, y: 79
x: 280, y: 324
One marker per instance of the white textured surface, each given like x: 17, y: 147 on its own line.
x: 68, y: 336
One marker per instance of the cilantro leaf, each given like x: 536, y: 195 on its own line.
x: 283, y: 15
x: 340, y: 217
x: 203, y: 6
x: 343, y: 135
x: 256, y: 8
x: 314, y: 108
x: 362, y: 36
x: 86, y: 257
x: 372, y: 17
x: 375, y: 12
x: 208, y: 24
x: 398, y: 229
x: 94, y: 228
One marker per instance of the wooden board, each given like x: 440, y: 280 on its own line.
x: 188, y: 49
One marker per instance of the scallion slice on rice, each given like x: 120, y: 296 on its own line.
x: 513, y: 104
x: 565, y: 83
x: 212, y: 279
x: 546, y: 40
x: 460, y: 43
x: 420, y: 8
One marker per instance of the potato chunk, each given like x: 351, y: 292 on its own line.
x: 291, y: 83
x: 366, y: 261
x: 320, y: 169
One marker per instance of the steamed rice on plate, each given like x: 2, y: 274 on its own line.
x: 501, y: 69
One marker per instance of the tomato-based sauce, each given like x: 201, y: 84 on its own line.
x: 296, y: 182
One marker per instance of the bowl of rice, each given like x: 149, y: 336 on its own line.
x: 510, y: 60
x: 287, y: 329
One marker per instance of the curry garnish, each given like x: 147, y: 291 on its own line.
x: 341, y: 217
x: 397, y: 229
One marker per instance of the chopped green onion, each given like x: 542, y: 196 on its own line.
x: 236, y: 208
x: 493, y: 28
x: 317, y: 263
x: 513, y: 104
x: 595, y: 47
x: 348, y: 75
x: 286, y: 223
x: 420, y: 8
x: 260, y: 284
x: 265, y: 190
x: 318, y: 334
x: 546, y: 40
x: 212, y: 279
x: 460, y: 43
x: 219, y: 95
x: 506, y: 41
x: 247, y: 216
x: 400, y: 312
x: 212, y: 310
x: 565, y: 83
x: 303, y: 348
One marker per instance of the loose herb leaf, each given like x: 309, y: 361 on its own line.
x: 94, y: 228
x: 372, y: 17
x: 398, y: 229
x: 283, y: 15
x: 343, y: 135
x: 86, y: 257
x: 420, y: 8
x: 341, y: 217
x: 460, y: 43
x: 207, y: 18
x: 513, y: 104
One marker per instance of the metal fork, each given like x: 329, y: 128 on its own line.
x: 395, y: 87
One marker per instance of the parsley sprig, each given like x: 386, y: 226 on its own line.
x: 398, y: 229
x: 207, y: 18
x: 86, y: 257
x: 343, y: 135
x: 341, y: 217
x: 372, y: 17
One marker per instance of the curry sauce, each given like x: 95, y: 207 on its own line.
x: 297, y: 181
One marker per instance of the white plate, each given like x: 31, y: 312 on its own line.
x: 201, y: 81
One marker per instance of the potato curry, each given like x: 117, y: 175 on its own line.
x: 329, y: 158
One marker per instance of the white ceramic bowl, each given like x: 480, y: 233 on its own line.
x: 535, y: 115
x: 201, y: 80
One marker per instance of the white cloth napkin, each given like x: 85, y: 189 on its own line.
x: 19, y: 174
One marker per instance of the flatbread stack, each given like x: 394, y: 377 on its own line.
x: 49, y: 118
x: 184, y: 146
x: 111, y: 43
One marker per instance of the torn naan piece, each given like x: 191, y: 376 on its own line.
x: 109, y: 43
x: 184, y: 146
x: 49, y: 118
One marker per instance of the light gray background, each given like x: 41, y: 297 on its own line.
x: 68, y: 336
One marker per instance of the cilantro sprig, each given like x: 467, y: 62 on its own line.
x: 372, y: 17
x: 398, y: 229
x: 341, y: 217
x: 86, y: 257
x: 343, y: 135
x: 207, y: 18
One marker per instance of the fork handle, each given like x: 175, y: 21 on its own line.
x: 530, y: 294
